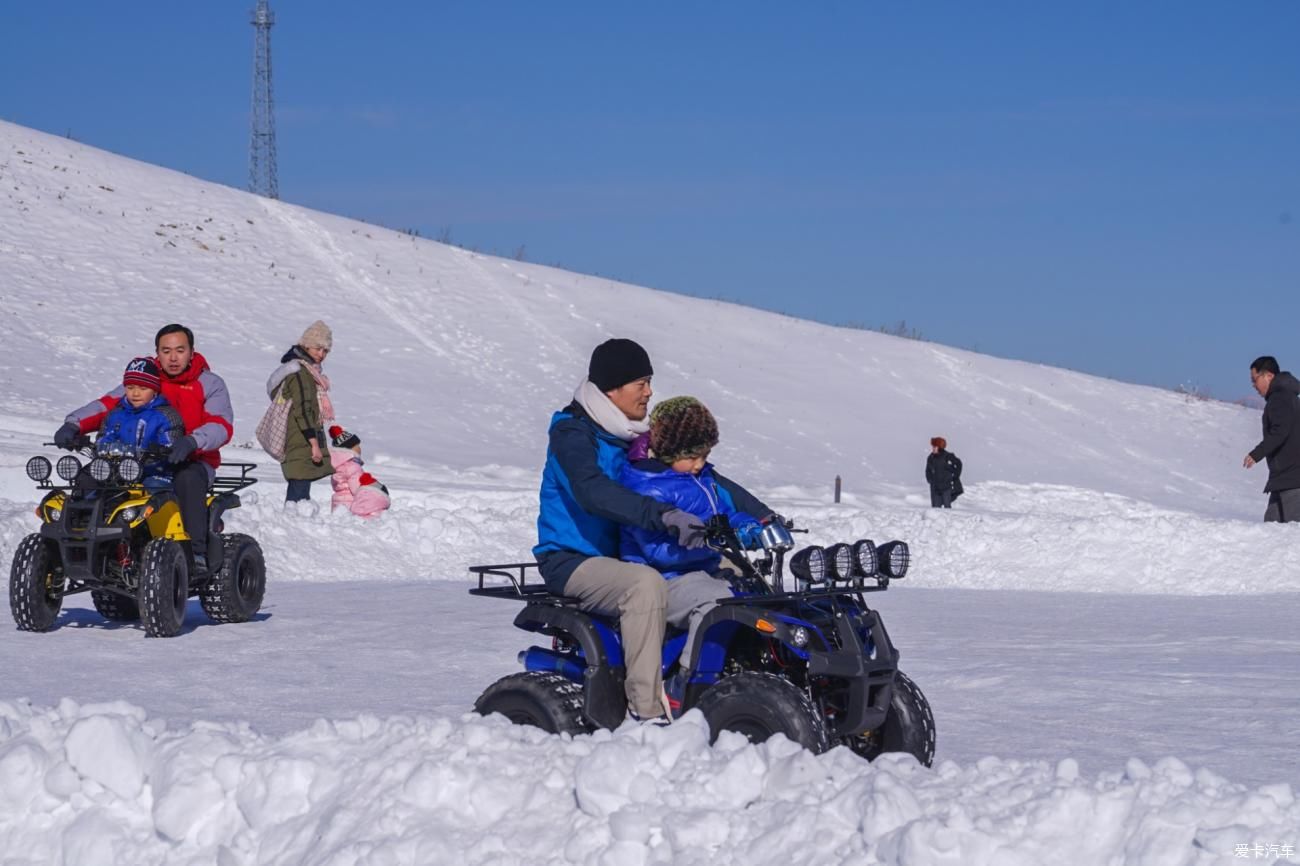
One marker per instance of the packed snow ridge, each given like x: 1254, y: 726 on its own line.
x: 105, y: 784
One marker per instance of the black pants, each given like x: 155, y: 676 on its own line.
x: 190, y: 481
x: 1283, y: 507
x: 941, y: 498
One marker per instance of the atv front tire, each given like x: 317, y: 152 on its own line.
x: 759, y: 705
x: 112, y: 606
x: 164, y: 587
x: 539, y: 698
x: 908, y: 727
x: 35, y: 585
x: 234, y: 593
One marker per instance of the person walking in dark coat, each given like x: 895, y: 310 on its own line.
x: 943, y: 472
x: 1281, y: 443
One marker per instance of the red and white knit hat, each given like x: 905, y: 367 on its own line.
x: 143, y: 372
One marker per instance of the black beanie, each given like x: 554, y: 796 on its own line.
x: 616, y: 362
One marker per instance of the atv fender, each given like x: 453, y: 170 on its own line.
x: 604, y: 702
x: 220, y: 504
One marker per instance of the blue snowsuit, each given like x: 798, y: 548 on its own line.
x: 701, y: 495
x: 128, y: 430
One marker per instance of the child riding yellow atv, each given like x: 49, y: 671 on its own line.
x: 116, y: 532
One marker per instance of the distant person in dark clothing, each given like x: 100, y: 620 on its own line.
x: 1281, y: 443
x: 943, y: 471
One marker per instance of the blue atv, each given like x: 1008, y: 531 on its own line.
x: 813, y: 662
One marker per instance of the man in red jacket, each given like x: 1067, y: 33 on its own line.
x: 201, y: 399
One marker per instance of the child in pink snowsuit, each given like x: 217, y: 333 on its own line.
x: 354, y: 488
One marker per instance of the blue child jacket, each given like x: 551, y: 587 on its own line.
x: 129, y: 430
x: 701, y: 495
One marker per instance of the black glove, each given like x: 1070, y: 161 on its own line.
x: 66, y: 436
x: 686, y: 527
x: 182, y: 450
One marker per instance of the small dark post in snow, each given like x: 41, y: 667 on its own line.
x: 837, y: 488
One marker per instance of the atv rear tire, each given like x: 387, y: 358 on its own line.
x: 234, y: 593
x: 908, y: 727
x: 35, y: 587
x: 112, y: 606
x: 164, y: 587
x: 539, y: 698
x: 759, y: 705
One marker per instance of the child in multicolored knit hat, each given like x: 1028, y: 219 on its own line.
x: 142, y: 420
x: 682, y: 433
x: 354, y: 488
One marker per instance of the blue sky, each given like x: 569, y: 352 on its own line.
x: 1112, y: 187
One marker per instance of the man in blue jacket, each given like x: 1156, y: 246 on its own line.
x: 583, y: 505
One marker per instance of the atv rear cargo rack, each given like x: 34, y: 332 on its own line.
x: 231, y: 483
x: 518, y: 587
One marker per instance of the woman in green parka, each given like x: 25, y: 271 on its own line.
x: 306, y: 454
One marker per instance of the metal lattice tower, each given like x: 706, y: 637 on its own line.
x: 261, y: 147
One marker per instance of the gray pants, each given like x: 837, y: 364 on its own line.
x: 644, y: 602
x: 690, y: 597
x: 1283, y: 507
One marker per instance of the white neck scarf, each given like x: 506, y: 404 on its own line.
x: 603, y: 411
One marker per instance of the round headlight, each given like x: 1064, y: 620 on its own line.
x: 799, y: 636
x: 39, y: 469
x: 809, y: 565
x: 68, y: 467
x: 894, y: 558
x: 839, y: 559
x: 129, y: 470
x: 865, y: 561
x: 129, y: 514
x: 100, y: 470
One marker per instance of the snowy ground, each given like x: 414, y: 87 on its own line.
x: 1104, y: 628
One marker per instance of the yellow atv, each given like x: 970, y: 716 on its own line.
x: 113, y: 532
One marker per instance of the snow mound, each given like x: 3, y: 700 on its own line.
x: 105, y: 784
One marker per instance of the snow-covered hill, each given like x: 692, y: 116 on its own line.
x: 444, y: 356
x: 449, y: 363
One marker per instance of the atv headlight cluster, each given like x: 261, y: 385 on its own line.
x: 839, y: 561
x: 895, y: 557
x: 865, y: 561
x: 39, y: 469
x: 809, y: 565
x: 100, y: 470
x: 850, y: 562
x: 129, y: 470
x: 68, y: 467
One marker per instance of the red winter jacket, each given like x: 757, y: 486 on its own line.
x: 197, y: 393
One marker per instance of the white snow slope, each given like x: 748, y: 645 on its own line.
x: 448, y: 364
